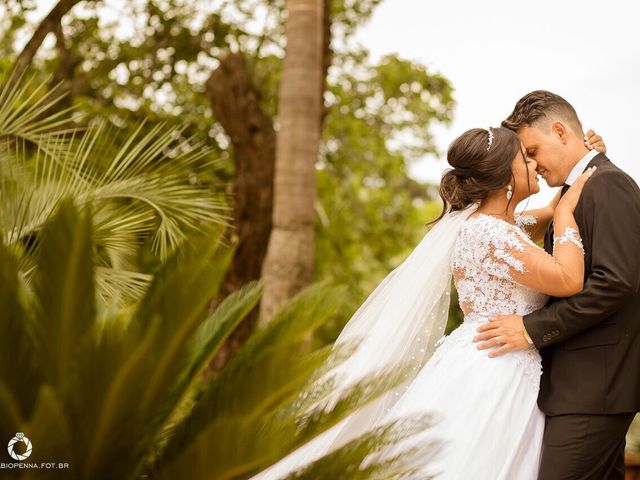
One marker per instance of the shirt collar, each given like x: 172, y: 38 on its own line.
x: 579, y: 167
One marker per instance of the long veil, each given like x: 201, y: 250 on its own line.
x: 399, y: 323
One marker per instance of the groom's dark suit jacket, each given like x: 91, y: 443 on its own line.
x: 590, y: 342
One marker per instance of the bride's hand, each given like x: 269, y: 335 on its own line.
x: 594, y: 141
x: 569, y: 200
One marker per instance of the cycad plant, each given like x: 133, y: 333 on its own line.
x: 144, y: 190
x: 103, y: 363
x: 119, y: 393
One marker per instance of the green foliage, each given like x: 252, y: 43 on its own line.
x: 371, y: 212
x: 143, y: 191
x: 379, y: 115
x: 124, y: 390
x: 13, y: 19
x: 344, y: 463
x: 456, y: 316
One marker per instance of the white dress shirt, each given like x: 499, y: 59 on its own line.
x: 579, y: 167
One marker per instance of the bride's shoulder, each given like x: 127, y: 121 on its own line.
x: 484, y: 221
x: 492, y: 229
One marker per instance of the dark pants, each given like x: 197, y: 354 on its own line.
x: 584, y: 447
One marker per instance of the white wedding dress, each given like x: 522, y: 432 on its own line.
x: 486, y: 408
x: 488, y: 422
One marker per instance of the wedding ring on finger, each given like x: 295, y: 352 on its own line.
x: 498, y: 340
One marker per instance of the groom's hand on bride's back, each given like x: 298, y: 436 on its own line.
x: 504, y: 333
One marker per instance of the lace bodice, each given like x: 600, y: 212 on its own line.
x: 483, y: 267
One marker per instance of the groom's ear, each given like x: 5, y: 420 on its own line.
x: 559, y: 130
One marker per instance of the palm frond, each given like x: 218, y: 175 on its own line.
x: 66, y: 313
x: 48, y: 416
x: 108, y: 410
x: 115, y: 285
x: 184, y: 294
x: 127, y: 381
x: 256, y: 402
x: 304, y: 313
x: 254, y: 443
x: 150, y: 367
x: 19, y: 369
x: 28, y: 112
x: 311, y: 422
x: 142, y: 190
x: 261, y: 375
x: 204, y: 344
x: 11, y: 417
x: 365, y: 457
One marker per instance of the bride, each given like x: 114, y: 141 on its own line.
x: 488, y: 424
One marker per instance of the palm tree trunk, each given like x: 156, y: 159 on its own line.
x: 288, y: 266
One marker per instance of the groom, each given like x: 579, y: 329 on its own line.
x: 590, y: 342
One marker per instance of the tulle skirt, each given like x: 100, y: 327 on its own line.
x: 485, y: 410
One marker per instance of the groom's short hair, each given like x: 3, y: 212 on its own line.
x: 539, y: 107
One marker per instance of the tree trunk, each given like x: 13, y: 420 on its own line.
x: 288, y: 266
x: 48, y: 25
x: 235, y: 104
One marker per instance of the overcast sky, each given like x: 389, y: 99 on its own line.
x: 496, y: 51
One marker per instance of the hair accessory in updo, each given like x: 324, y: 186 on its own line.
x: 490, y: 139
x: 482, y: 162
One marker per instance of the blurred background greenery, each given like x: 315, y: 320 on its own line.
x: 123, y: 63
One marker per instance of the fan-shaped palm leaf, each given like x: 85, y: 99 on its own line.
x: 142, y: 190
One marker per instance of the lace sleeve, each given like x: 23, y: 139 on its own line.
x: 510, y: 254
x: 569, y: 235
x: 502, y: 247
x: 526, y: 223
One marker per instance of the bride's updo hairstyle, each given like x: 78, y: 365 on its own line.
x: 481, y: 164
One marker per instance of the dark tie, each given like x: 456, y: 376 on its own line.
x: 565, y: 187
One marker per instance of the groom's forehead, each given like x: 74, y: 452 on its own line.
x: 529, y: 136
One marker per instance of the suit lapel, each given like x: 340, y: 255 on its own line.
x: 598, y: 160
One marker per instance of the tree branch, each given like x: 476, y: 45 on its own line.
x: 65, y: 71
x: 47, y: 26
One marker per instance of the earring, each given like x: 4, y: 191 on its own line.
x: 509, y: 192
